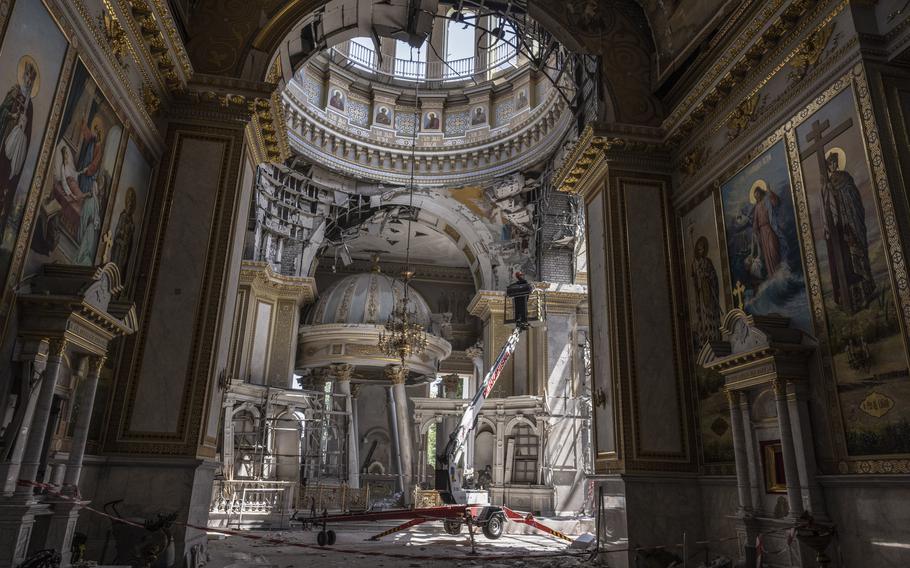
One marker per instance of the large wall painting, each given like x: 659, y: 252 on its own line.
x: 29, y: 73
x: 77, y: 192
x: 125, y: 222
x: 867, y: 348
x: 707, y: 301
x: 766, y: 270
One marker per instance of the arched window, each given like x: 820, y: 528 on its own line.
x: 503, y: 51
x: 410, y: 62
x: 362, y: 52
x: 459, y: 47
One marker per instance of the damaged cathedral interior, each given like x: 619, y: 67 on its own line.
x: 454, y: 283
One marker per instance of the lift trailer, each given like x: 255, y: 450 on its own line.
x: 456, y: 512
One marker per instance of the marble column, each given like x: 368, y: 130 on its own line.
x: 739, y: 450
x: 813, y: 499
x: 31, y: 459
x: 227, y: 453
x: 791, y: 470
x: 80, y: 430
x: 355, y: 428
x: 476, y: 355
x: 756, y: 485
x: 17, y: 515
x: 341, y: 372
x: 393, y: 428
x: 397, y: 375
x: 33, y: 366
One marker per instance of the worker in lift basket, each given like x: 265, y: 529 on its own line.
x: 519, y: 292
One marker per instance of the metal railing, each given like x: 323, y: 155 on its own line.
x: 333, y: 498
x: 500, y: 58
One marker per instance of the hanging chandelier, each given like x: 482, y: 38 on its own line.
x: 403, y: 335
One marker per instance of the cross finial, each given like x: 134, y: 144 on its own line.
x: 739, y: 291
x: 106, y: 242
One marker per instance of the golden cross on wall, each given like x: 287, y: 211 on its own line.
x: 739, y: 292
x: 106, y: 241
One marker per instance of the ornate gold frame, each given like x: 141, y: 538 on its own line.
x: 856, y: 80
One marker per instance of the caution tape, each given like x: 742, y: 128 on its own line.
x: 52, y: 490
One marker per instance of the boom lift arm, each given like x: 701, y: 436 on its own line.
x: 449, y: 480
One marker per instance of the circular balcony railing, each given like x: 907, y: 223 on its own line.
x: 484, y: 66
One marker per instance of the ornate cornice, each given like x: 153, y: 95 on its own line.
x: 739, y: 64
x: 589, y: 154
x: 260, y: 276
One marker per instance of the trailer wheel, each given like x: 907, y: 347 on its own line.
x: 321, y: 538
x: 494, y: 526
x: 330, y: 537
x: 451, y: 527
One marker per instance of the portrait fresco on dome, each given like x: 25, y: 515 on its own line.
x: 708, y: 302
x: 521, y: 101
x: 29, y: 73
x: 766, y: 270
x: 479, y: 116
x: 431, y: 121
x: 336, y: 101
x: 126, y: 220
x: 863, y: 322
x: 383, y: 116
x: 77, y: 191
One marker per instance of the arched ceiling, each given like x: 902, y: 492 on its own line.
x: 238, y: 38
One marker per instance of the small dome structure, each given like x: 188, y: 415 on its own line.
x: 366, y: 298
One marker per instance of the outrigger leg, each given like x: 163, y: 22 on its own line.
x: 401, y: 527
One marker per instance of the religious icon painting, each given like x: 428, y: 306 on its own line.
x: 431, y: 121
x: 29, y: 73
x: 521, y: 101
x: 863, y: 323
x: 77, y: 190
x: 763, y: 249
x: 336, y: 101
x: 708, y: 302
x: 478, y: 116
x: 124, y: 229
x: 383, y: 116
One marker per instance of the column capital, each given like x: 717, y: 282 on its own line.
x: 56, y: 347
x: 779, y: 386
x: 474, y: 352
x: 396, y: 374
x: 96, y: 363
x: 355, y: 389
x: 341, y: 371
x: 451, y: 382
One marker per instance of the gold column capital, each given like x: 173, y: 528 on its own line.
x: 56, y: 347
x: 96, y: 363
x: 396, y: 374
x: 341, y: 371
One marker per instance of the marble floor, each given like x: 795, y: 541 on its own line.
x: 417, y: 547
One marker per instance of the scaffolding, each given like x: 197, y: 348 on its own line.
x: 291, y: 435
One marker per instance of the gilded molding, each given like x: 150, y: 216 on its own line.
x: 810, y: 51
x: 146, y: 26
x: 260, y: 276
x: 589, y: 153
x: 743, y: 63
